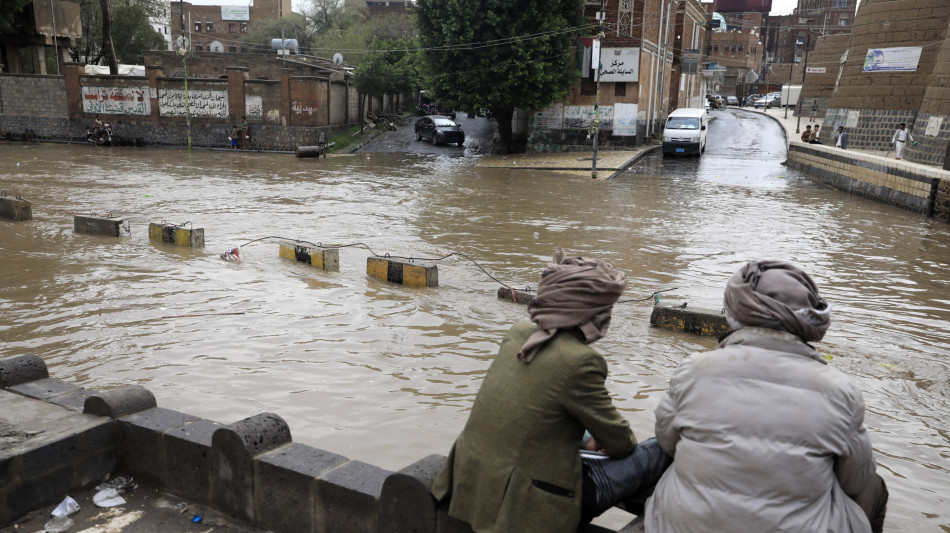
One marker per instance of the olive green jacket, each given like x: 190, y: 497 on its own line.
x: 516, y: 467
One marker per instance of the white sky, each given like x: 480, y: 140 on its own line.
x: 783, y: 7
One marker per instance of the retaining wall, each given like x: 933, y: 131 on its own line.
x: 250, y: 469
x: 890, y: 181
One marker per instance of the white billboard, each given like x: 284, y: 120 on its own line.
x: 903, y: 59
x: 242, y: 13
x: 620, y: 64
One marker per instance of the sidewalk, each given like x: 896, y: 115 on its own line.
x: 792, y: 123
x: 609, y: 162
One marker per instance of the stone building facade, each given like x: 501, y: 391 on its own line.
x: 220, y: 28
x: 870, y: 102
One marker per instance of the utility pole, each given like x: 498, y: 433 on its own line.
x: 596, y: 129
x: 798, y: 125
x: 183, y: 50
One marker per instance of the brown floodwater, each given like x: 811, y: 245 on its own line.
x: 386, y: 374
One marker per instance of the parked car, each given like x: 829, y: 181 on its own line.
x: 439, y: 129
x: 685, y: 132
x: 732, y: 100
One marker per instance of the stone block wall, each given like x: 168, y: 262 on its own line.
x: 25, y: 94
x: 875, y: 127
x: 889, y: 181
x: 942, y: 201
x: 249, y: 469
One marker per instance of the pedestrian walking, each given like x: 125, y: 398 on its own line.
x: 814, y: 109
x: 841, y: 138
x: 901, y: 138
x: 235, y: 135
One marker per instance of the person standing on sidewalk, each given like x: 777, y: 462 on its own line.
x: 841, y: 138
x: 901, y: 138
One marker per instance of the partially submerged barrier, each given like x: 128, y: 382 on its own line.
x: 15, y: 208
x: 176, y: 234
x: 96, y: 225
x: 690, y: 320
x: 404, y: 272
x: 317, y: 256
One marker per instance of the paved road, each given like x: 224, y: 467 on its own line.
x: 478, y: 134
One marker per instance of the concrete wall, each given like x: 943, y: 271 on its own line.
x: 26, y: 94
x: 819, y: 87
x: 250, y: 469
x: 892, y: 182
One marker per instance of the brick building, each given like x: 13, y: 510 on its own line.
x: 380, y: 8
x: 220, y: 28
x: 738, y: 47
x: 686, y: 81
x: 41, y: 29
x: 897, y: 69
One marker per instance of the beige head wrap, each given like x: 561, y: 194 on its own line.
x: 775, y: 294
x: 573, y: 292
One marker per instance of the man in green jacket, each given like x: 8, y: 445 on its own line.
x: 516, y: 466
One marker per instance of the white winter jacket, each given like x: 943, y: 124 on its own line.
x: 765, y: 436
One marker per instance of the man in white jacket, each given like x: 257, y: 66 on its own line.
x: 765, y: 435
x: 901, y: 138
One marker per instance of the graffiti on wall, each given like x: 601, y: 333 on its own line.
x: 304, y: 108
x: 625, y: 119
x: 201, y: 103
x: 582, y: 116
x: 549, y: 118
x: 116, y: 100
x: 254, y: 106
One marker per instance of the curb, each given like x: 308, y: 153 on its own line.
x: 652, y: 149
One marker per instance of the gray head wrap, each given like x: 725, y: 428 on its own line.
x: 573, y: 292
x: 776, y: 294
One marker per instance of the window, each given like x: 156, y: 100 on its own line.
x: 233, y: 47
x: 624, y: 5
x: 740, y: 47
x: 588, y: 87
x: 197, y: 24
x: 198, y: 47
x: 209, y: 26
x: 244, y: 27
x: 232, y: 27
x: 715, y: 48
x: 843, y: 21
x: 620, y: 88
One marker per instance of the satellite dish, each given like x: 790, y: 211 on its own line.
x: 338, y: 59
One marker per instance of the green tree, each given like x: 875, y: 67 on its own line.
x: 391, y: 69
x: 128, y: 28
x: 500, y: 54
x: 294, y: 26
x: 9, y: 11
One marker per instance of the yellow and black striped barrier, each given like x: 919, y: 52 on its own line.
x: 176, y: 234
x: 402, y: 272
x: 323, y: 258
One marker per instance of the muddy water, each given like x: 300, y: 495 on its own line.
x: 384, y: 373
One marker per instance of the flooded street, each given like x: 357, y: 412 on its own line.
x: 385, y: 373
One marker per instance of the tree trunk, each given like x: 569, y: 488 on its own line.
x: 503, y: 118
x: 107, y: 47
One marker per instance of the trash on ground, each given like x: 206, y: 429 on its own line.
x: 59, y: 524
x: 196, y: 519
x: 108, y: 498
x: 67, y: 507
x: 118, y: 483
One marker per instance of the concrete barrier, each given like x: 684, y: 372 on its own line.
x: 690, y: 320
x: 176, y: 234
x: 511, y: 294
x: 323, y: 258
x: 403, y: 272
x: 15, y: 208
x: 406, y: 504
x: 93, y: 225
x: 22, y: 369
x: 310, y: 151
x: 142, y: 450
x: 232, y: 449
x: 119, y: 402
x: 347, y: 498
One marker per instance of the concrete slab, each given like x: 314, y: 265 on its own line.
x: 27, y: 423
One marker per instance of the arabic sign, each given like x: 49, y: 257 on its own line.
x: 235, y: 13
x: 210, y: 104
x: 852, y: 120
x: 550, y: 118
x: 582, y: 116
x: 816, y: 70
x: 625, y: 120
x: 304, y: 108
x: 254, y: 106
x: 903, y: 59
x: 620, y: 64
x: 116, y: 100
x: 933, y: 126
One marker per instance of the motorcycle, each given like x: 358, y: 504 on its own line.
x: 105, y: 135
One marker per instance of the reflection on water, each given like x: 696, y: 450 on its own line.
x: 385, y: 373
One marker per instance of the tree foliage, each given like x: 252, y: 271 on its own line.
x: 500, y: 54
x: 356, y: 36
x: 293, y: 25
x: 9, y: 13
x: 392, y: 69
x: 132, y: 33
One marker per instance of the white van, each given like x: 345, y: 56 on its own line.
x: 685, y: 131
